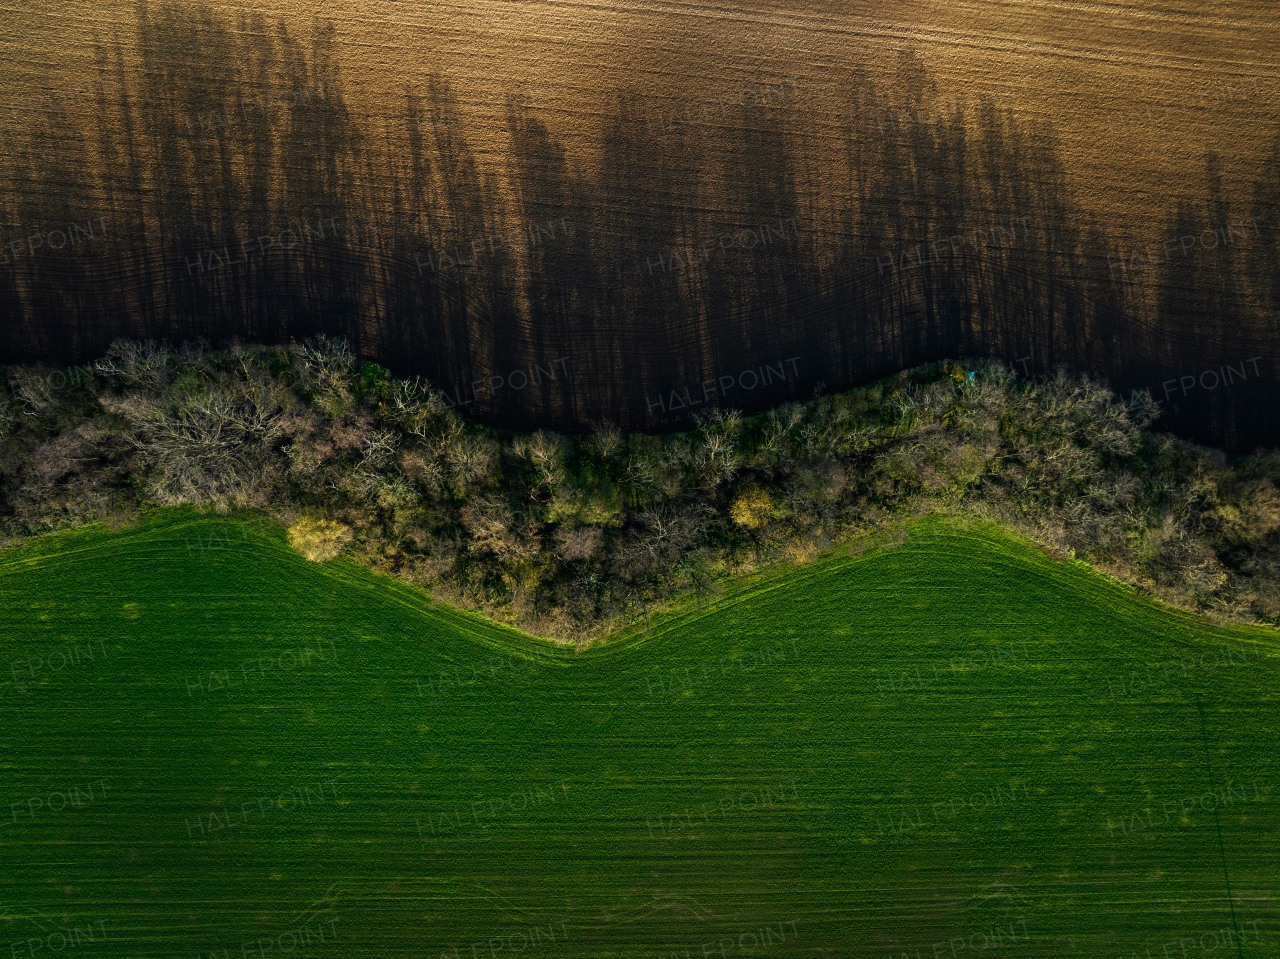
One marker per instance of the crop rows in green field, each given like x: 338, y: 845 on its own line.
x: 954, y: 747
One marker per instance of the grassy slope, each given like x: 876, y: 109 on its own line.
x: 941, y: 749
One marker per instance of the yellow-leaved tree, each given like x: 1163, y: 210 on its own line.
x: 752, y: 508
x: 318, y: 539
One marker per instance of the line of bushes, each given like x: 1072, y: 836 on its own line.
x: 572, y: 536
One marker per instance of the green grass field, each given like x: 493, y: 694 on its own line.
x: 954, y: 747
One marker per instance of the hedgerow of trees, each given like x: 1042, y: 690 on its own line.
x: 572, y: 536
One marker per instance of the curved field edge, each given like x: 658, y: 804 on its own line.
x: 164, y: 526
x: 952, y: 538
